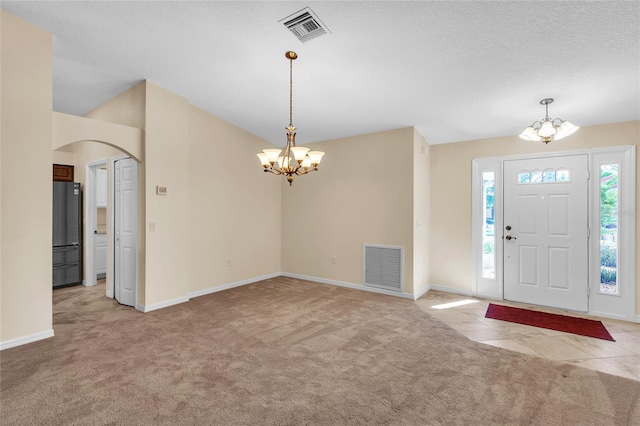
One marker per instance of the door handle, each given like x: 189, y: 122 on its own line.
x: 509, y: 237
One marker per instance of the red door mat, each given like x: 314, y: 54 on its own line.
x: 581, y: 326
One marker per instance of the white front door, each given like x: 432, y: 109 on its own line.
x: 545, y: 231
x: 126, y: 230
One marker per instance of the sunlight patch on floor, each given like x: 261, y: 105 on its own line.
x: 454, y: 304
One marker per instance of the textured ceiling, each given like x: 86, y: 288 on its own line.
x: 456, y: 70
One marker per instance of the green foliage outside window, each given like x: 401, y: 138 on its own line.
x: 608, y: 255
x: 609, y: 227
x: 608, y: 200
x: 608, y: 275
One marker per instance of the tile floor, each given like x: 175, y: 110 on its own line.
x: 621, y: 358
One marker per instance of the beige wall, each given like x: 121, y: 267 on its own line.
x: 63, y: 157
x: 421, y: 205
x: 234, y: 208
x: 209, y: 214
x: 126, y: 109
x: 451, y: 203
x: 362, y: 193
x: 166, y: 164
x: 70, y: 128
x: 25, y: 180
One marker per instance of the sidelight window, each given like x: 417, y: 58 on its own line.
x: 609, y: 200
x: 488, y: 233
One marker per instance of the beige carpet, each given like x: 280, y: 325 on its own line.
x: 288, y: 352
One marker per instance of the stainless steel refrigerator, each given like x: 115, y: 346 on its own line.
x: 67, y: 233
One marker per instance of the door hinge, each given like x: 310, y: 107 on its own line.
x: 588, y: 174
x: 588, y: 291
x: 588, y: 232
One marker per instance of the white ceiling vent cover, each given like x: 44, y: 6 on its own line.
x: 305, y: 25
x: 383, y: 267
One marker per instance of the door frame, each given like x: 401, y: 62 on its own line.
x: 493, y: 288
x: 91, y: 220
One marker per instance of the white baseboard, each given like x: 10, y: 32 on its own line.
x: 165, y: 304
x: 613, y: 316
x: 453, y: 290
x: 223, y: 287
x: 26, y: 339
x: 638, y: 318
x: 349, y: 285
x: 421, y: 292
x: 110, y: 294
x: 142, y: 308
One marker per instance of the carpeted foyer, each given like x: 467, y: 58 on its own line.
x: 288, y: 352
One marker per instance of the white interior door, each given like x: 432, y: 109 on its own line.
x: 546, y: 231
x: 126, y: 230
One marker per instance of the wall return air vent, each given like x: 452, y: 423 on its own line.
x: 383, y: 267
x: 305, y: 25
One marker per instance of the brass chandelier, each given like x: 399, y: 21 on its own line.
x: 548, y: 129
x: 296, y: 160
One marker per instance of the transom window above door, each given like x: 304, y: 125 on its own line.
x: 544, y: 176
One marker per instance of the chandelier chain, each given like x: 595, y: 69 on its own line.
x: 546, y: 111
x: 290, y: 92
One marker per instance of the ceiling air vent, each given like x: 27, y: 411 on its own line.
x: 305, y: 25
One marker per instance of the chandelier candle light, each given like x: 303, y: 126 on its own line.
x: 296, y: 160
x: 548, y: 129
